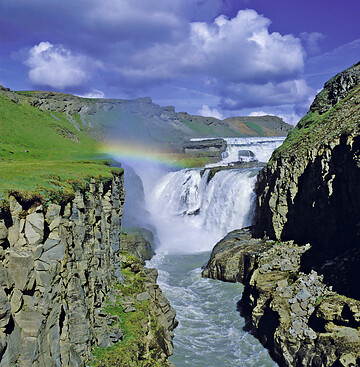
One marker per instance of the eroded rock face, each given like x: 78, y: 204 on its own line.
x: 57, y: 266
x: 232, y: 259
x: 309, y: 191
x: 156, y: 339
x: 134, y: 242
x: 295, y: 315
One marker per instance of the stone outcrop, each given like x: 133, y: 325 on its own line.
x: 138, y: 242
x: 211, y: 149
x: 147, y: 316
x: 213, y: 170
x: 57, y: 266
x: 309, y: 190
x: 215, y: 146
x: 295, y: 315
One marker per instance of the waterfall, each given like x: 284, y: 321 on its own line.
x: 191, y: 210
x: 261, y: 147
x: 187, y: 199
x: 195, y: 208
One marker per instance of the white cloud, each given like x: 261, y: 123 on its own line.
x: 237, y: 58
x: 95, y: 93
x: 206, y: 111
x: 144, y: 44
x: 237, y: 96
x: 241, y: 49
x: 237, y: 50
x: 57, y: 67
x: 260, y: 113
x: 311, y: 41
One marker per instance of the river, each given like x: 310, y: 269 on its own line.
x: 189, y: 214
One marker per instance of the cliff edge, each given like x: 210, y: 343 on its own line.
x: 309, y: 190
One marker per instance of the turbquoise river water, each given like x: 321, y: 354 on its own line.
x: 189, y: 214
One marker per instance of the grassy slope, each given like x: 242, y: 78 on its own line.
x: 313, y: 129
x: 42, y: 154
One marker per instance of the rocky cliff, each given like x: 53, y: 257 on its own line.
x: 59, y: 275
x: 304, y: 242
x: 57, y: 266
x: 309, y: 191
x: 294, y: 314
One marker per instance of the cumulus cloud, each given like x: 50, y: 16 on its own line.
x: 242, y: 49
x: 226, y: 50
x: 57, y: 67
x: 206, y: 111
x: 143, y: 44
x: 237, y: 96
x: 237, y: 58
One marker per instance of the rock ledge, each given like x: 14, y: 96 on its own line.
x: 295, y: 315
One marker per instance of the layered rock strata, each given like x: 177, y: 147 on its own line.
x: 295, y: 315
x: 57, y: 266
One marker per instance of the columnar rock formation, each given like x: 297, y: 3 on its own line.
x: 57, y: 266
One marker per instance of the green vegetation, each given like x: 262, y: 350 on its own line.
x: 45, y: 155
x: 258, y: 129
x: 129, y: 352
x: 310, y: 130
x: 210, y: 130
x: 191, y: 161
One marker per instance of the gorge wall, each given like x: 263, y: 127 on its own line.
x: 59, y: 274
x: 309, y: 191
x: 57, y: 266
x: 299, y: 263
x: 301, y: 320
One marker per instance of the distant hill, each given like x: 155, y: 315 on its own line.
x: 267, y: 125
x: 141, y: 120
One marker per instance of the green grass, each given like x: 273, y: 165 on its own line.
x: 42, y: 154
x: 313, y: 129
x: 255, y: 127
x: 210, y: 130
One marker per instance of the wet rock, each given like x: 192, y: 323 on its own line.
x: 295, y: 315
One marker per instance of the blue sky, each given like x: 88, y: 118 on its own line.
x: 213, y: 57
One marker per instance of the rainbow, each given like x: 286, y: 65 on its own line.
x: 140, y: 153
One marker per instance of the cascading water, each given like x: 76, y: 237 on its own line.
x: 260, y: 147
x: 191, y: 210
